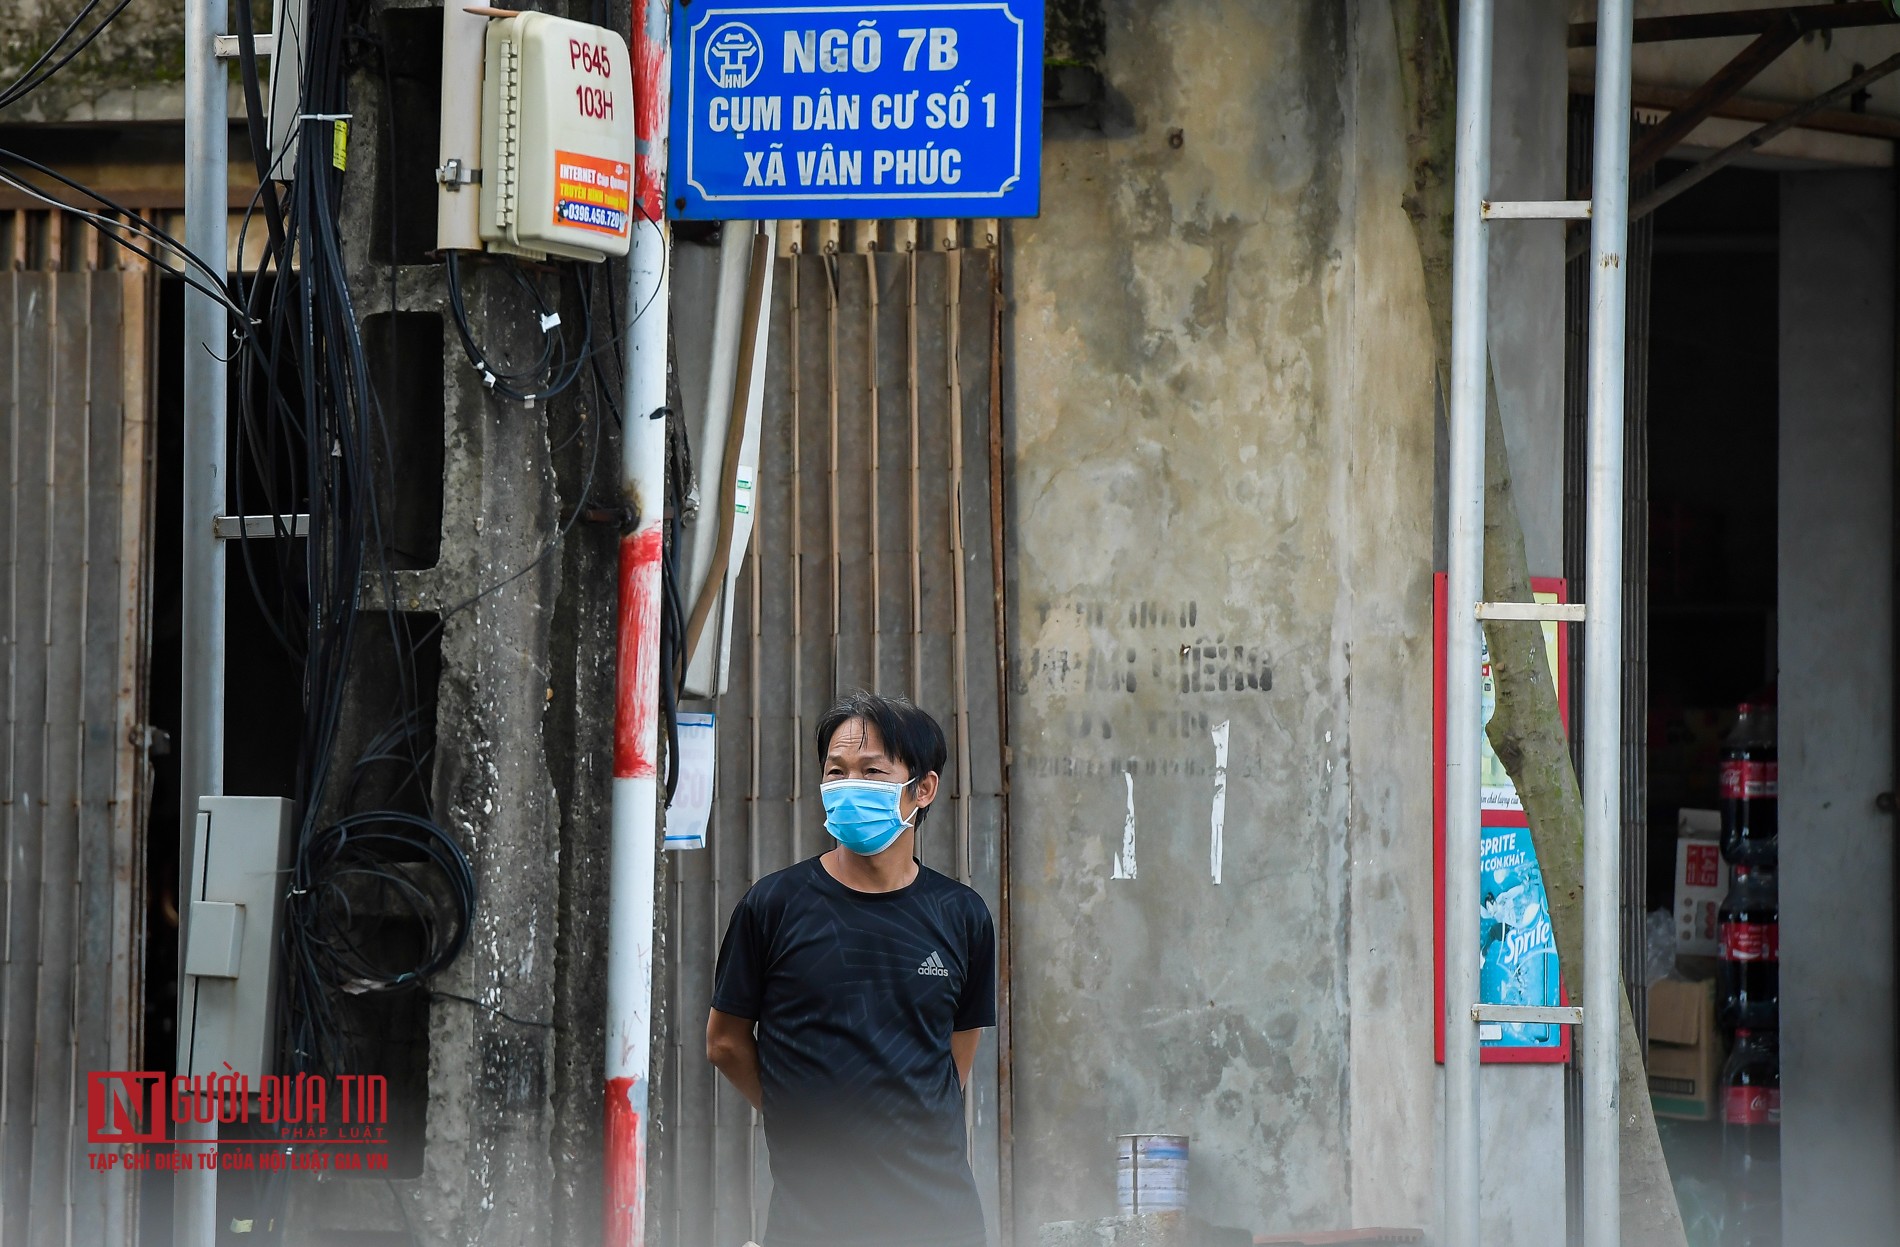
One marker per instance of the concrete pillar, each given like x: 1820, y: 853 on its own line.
x: 1838, y: 1041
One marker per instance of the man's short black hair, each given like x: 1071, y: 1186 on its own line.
x: 909, y: 734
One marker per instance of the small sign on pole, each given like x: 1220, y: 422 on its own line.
x: 802, y: 109
x: 689, y: 813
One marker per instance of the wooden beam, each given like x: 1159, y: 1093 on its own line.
x: 1726, y: 82
x: 1742, y: 108
x: 1745, y: 22
x: 1788, y: 120
x: 1748, y: 143
x: 145, y: 198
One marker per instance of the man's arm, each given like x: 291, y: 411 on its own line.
x: 963, y: 1052
x: 734, y: 1052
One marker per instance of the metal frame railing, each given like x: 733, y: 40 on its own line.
x: 1601, y: 1016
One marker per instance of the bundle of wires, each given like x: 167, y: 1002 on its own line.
x: 556, y: 369
x: 311, y: 433
x: 311, y: 430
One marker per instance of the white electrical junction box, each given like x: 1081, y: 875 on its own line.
x: 232, y: 909
x: 557, y: 139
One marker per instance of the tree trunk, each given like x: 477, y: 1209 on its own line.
x: 1526, y: 729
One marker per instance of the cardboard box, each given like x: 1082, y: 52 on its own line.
x: 1685, y: 1049
x: 1701, y: 882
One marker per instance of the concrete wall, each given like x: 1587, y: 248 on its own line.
x: 1839, y: 1111
x: 1527, y: 267
x: 1223, y: 449
x: 134, y: 70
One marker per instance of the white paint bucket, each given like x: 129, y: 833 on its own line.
x: 1151, y: 1173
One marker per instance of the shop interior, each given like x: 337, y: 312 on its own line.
x: 1769, y: 647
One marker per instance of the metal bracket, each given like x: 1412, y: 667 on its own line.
x: 231, y: 527
x: 1547, y: 612
x: 1535, y: 1015
x: 230, y: 47
x: 623, y: 518
x: 155, y: 741
x: 455, y: 175
x: 1537, y: 210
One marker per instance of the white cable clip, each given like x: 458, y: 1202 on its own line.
x: 551, y: 321
x: 488, y: 378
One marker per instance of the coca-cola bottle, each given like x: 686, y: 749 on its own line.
x: 1750, y: 803
x: 1748, y: 935
x: 1751, y: 1141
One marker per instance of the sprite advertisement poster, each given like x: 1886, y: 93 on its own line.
x: 1518, y: 963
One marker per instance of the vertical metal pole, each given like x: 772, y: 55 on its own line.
x: 637, y: 672
x: 795, y: 364
x: 201, y: 597
x: 959, y: 625
x: 755, y: 742
x: 871, y: 408
x: 913, y: 380
x: 834, y: 560
x: 1465, y: 585
x: 1603, y: 635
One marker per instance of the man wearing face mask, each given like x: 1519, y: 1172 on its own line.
x: 847, y: 1001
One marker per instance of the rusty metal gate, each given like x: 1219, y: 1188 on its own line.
x: 74, y: 420
x: 874, y: 563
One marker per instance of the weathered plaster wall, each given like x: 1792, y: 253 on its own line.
x: 1395, y: 1085
x: 1223, y: 440
x: 1529, y: 105
x: 134, y: 70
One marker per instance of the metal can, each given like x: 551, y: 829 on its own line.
x: 1151, y: 1173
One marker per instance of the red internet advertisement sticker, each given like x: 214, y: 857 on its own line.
x: 125, y: 1106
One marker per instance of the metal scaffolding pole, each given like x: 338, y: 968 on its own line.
x: 201, y: 656
x: 1603, y: 635
x: 1464, y: 587
x: 1608, y: 212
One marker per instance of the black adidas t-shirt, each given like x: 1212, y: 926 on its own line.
x: 856, y: 995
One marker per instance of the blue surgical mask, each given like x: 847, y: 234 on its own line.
x: 863, y: 814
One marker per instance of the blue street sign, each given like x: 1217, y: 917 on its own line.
x: 800, y: 109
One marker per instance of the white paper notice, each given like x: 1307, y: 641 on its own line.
x: 690, y: 810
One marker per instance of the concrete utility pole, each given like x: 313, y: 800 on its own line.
x: 637, y: 674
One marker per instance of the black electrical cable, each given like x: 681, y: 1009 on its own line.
x: 311, y: 436
x: 673, y: 658
x: 208, y: 282
x: 556, y: 369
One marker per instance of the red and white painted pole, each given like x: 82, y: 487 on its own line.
x: 637, y: 673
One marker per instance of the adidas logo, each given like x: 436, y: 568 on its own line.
x: 933, y: 964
